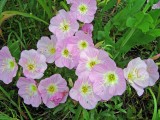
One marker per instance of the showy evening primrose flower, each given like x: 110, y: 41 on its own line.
x: 136, y: 74
x: 47, y: 47
x: 63, y: 25
x: 89, y: 58
x: 81, y: 42
x: 33, y: 63
x: 8, y: 66
x: 84, y: 10
x: 152, y: 69
x: 108, y: 80
x: 53, y: 90
x: 29, y: 92
x: 82, y: 91
x: 66, y: 56
x: 87, y: 29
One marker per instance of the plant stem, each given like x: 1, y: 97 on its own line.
x: 30, y: 117
x: 155, y: 104
x: 158, y: 63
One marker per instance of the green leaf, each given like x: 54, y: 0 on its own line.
x: 64, y: 6
x: 2, y: 4
x: 130, y: 22
x: 58, y: 108
x: 138, y: 38
x: 155, y: 33
x: 78, y: 113
x: 101, y: 35
x: 129, y: 11
x: 141, y: 21
x: 43, y: 3
x: 14, y: 49
x: 146, y: 22
x: 110, y: 4
x: 85, y: 114
x: 155, y: 14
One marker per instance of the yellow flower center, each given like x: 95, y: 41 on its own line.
x: 65, y: 53
x: 130, y: 76
x: 92, y: 62
x: 31, y: 67
x: 82, y: 45
x: 111, y: 78
x: 52, y: 89
x: 86, y: 89
x: 52, y: 51
x: 33, y: 88
x: 65, y: 26
x: 11, y: 64
x: 83, y: 8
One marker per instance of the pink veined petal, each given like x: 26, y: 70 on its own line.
x: 139, y: 89
x: 73, y: 93
x: 101, y: 91
x: 87, y: 103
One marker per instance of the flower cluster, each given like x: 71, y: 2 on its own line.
x: 71, y: 46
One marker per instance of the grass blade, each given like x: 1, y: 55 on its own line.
x: 155, y: 104
x: 43, y: 3
x: 2, y: 4
x: 30, y: 117
x: 8, y: 14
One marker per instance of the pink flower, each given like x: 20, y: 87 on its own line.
x: 47, y: 47
x: 58, y: 97
x: 152, y: 69
x: 63, y: 25
x: 108, y: 80
x: 137, y: 75
x: 82, y: 91
x: 89, y: 59
x: 84, y: 10
x: 156, y: 6
x: 87, y: 28
x: 33, y: 63
x: 70, y: 1
x: 81, y: 42
x: 66, y: 56
x: 28, y: 91
x: 8, y: 66
x: 53, y: 90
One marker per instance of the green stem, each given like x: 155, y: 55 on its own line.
x: 30, y: 117
x: 158, y: 98
x: 155, y: 104
x: 158, y: 63
x: 146, y: 8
